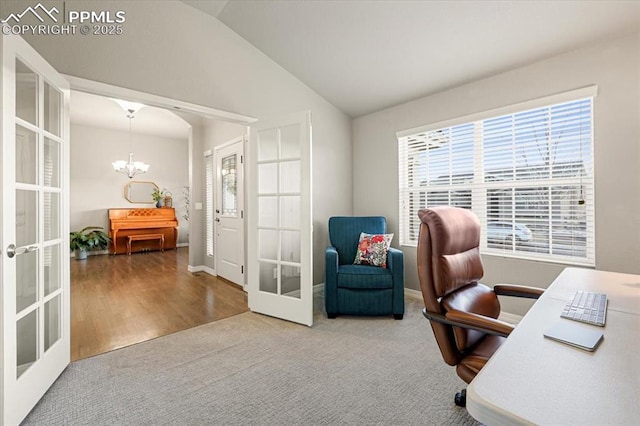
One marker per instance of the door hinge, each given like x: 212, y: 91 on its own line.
x: 242, y: 269
x: 241, y: 214
x: 241, y: 159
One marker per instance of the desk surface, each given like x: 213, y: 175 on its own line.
x: 534, y: 380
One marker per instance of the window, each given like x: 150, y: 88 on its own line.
x: 209, y: 194
x: 229, y: 190
x: 527, y: 174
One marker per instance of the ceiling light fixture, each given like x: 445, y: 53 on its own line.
x: 130, y: 168
x: 128, y: 105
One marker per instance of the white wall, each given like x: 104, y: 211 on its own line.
x: 95, y: 187
x: 173, y: 50
x: 220, y: 132
x: 613, y: 65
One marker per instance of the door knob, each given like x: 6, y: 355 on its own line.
x: 13, y: 251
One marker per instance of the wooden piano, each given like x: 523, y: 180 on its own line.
x: 140, y: 221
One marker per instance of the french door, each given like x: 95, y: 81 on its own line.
x: 280, y: 235
x: 34, y: 229
x: 229, y: 228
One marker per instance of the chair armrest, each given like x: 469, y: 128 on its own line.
x: 395, y: 263
x: 395, y: 258
x: 331, y: 281
x: 331, y: 259
x: 500, y: 330
x: 331, y: 251
x: 480, y: 321
x: 518, y: 291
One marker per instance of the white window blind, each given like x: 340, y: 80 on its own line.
x: 528, y: 175
x: 209, y: 200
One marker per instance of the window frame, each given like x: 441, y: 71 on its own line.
x: 478, y: 185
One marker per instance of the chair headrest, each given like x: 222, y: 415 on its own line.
x: 453, y: 229
x: 454, y: 239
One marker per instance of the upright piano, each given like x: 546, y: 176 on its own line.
x: 125, y: 222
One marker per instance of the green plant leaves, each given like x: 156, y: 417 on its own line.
x: 89, y: 238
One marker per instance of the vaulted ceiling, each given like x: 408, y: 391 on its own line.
x: 364, y: 56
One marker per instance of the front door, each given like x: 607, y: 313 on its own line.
x: 34, y: 229
x: 280, y: 269
x: 230, y: 211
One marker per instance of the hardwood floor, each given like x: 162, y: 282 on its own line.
x: 120, y: 300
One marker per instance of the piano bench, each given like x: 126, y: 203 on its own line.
x: 145, y: 237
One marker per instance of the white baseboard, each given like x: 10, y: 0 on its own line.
x: 182, y: 245
x: 202, y: 268
x: 414, y: 294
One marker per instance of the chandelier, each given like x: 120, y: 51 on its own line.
x: 130, y: 167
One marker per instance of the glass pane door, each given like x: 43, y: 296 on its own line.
x: 34, y: 228
x: 38, y: 216
x: 280, y: 234
x: 279, y: 205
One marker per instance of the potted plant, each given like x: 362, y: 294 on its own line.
x: 89, y: 238
x: 158, y: 196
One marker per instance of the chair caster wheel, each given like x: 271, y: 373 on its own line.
x: 461, y: 398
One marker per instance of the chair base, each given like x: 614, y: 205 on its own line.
x: 461, y: 398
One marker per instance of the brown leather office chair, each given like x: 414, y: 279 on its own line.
x: 463, y: 313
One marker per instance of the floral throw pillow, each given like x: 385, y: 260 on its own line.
x: 372, y: 249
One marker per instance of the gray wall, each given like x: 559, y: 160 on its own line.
x: 196, y: 190
x: 95, y: 187
x: 613, y: 65
x: 173, y: 50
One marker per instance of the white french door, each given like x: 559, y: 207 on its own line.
x: 229, y: 227
x: 280, y: 221
x: 34, y: 230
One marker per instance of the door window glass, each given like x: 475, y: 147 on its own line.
x: 229, y: 186
x: 26, y: 93
x: 27, y: 342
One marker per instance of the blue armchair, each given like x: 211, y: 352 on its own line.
x: 361, y: 289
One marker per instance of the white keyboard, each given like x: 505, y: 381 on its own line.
x: 587, y: 307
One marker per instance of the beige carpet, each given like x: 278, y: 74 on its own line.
x: 253, y: 369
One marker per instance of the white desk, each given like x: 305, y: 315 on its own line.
x: 535, y: 380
